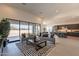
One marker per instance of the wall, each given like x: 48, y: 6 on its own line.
x: 7, y: 11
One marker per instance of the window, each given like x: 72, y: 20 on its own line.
x: 31, y: 29
x: 19, y: 27
x: 24, y: 28
x: 14, y: 30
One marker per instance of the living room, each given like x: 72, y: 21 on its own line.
x: 42, y: 29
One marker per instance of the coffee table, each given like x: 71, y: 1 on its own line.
x: 37, y: 44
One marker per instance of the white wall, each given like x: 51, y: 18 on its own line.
x: 7, y: 11
x: 64, y: 18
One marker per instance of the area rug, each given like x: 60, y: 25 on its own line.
x: 29, y: 50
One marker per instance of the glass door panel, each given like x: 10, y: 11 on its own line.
x: 14, y: 30
x: 23, y: 28
x: 17, y: 28
x: 38, y: 29
x: 31, y: 30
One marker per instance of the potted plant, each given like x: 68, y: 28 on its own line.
x: 4, y: 30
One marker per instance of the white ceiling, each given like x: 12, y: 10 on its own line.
x: 56, y: 12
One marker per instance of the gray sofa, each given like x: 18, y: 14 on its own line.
x: 49, y: 37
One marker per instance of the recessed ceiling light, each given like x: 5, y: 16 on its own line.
x: 44, y: 23
x: 57, y: 11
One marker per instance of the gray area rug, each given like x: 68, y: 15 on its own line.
x: 29, y: 50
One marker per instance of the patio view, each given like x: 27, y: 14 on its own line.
x: 16, y: 29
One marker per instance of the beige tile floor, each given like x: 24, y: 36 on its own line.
x: 66, y: 47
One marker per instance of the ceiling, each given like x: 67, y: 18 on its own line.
x: 56, y: 12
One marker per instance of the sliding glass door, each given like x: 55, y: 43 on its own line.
x: 31, y: 29
x: 17, y: 28
x: 34, y: 28
x: 23, y: 28
x: 38, y: 29
x: 14, y: 30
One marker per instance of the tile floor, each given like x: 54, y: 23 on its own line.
x: 12, y: 50
x: 64, y: 47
